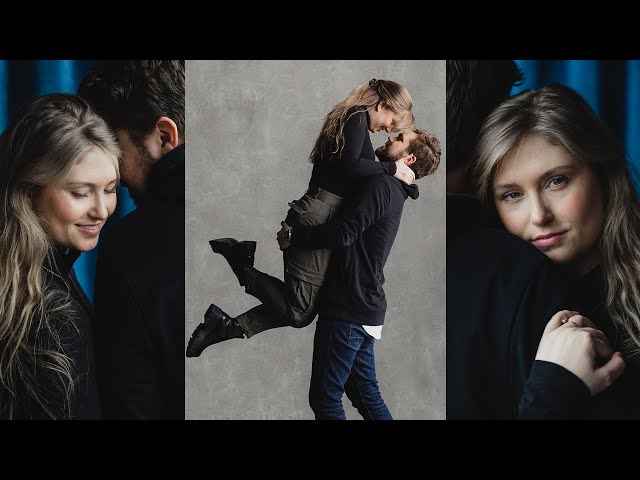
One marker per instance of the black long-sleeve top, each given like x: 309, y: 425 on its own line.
x: 552, y: 392
x: 362, y: 234
x: 342, y: 173
x: 501, y: 292
x: 75, y: 330
x: 622, y: 399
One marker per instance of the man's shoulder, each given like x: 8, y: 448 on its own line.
x: 376, y: 186
x: 494, y: 255
x: 144, y: 231
x: 380, y: 181
x: 392, y: 186
x: 122, y: 228
x: 491, y: 241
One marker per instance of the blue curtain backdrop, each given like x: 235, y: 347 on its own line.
x: 612, y: 88
x: 22, y: 81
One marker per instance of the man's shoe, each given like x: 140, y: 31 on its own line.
x: 240, y: 255
x: 217, y: 327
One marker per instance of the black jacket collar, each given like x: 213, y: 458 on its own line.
x: 63, y: 258
x: 166, y: 179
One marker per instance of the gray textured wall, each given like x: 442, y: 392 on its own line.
x: 250, y: 128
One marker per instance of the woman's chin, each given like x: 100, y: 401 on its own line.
x: 575, y: 263
x: 555, y: 256
x: 87, y: 246
x: 83, y: 246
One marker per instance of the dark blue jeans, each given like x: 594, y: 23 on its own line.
x: 343, y: 362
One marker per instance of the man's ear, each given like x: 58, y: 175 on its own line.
x: 168, y: 134
x: 410, y: 159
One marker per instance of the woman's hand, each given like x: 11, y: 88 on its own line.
x: 284, y: 244
x: 403, y: 172
x: 572, y: 341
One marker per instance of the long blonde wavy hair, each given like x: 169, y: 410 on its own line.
x: 39, y: 148
x: 330, y: 142
x: 561, y: 117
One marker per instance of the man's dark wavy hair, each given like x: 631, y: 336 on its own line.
x: 474, y: 89
x: 133, y: 94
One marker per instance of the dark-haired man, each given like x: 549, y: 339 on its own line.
x: 353, y: 303
x: 139, y: 291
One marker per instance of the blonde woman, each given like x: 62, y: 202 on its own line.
x: 58, y: 176
x: 342, y: 156
x: 557, y: 179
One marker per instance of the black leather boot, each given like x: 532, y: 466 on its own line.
x: 217, y: 327
x: 240, y: 255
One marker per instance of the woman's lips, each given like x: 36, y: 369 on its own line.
x: 90, y: 230
x: 548, y: 240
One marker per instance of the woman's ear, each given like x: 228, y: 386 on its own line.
x: 382, y: 104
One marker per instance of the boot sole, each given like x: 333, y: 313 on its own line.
x: 192, y: 340
x: 220, y: 244
x: 200, y: 334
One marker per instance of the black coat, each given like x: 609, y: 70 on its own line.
x: 501, y: 292
x: 76, y: 335
x: 139, y: 302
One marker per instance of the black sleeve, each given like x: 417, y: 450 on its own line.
x: 547, y: 293
x: 553, y: 393
x: 362, y: 211
x: 351, y: 163
x: 86, y: 400
x: 124, y: 352
x: 76, y: 341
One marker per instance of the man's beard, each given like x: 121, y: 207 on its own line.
x: 142, y: 167
x: 383, y: 154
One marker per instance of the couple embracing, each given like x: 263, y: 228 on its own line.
x: 61, y: 161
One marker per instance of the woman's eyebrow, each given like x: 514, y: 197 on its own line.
x: 503, y: 186
x: 86, y: 184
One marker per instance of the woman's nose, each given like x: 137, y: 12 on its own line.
x: 100, y: 210
x: 541, y: 213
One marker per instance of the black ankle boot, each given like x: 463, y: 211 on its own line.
x: 217, y: 327
x: 240, y: 255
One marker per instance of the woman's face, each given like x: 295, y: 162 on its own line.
x: 76, y: 208
x: 546, y: 197
x: 382, y: 118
